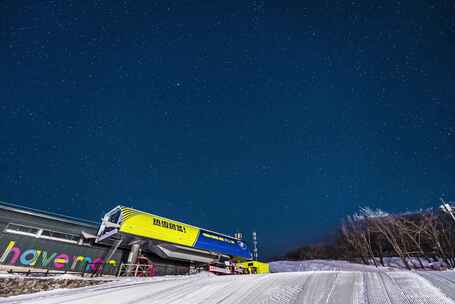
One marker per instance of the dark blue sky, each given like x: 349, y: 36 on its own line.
x: 279, y: 116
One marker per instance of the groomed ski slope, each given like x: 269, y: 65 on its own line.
x: 329, y: 287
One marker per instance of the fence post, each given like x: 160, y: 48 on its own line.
x: 103, y: 266
x: 84, y: 268
x: 119, y: 270
x: 101, y: 270
x: 96, y: 272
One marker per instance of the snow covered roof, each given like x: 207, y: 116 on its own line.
x: 47, y: 215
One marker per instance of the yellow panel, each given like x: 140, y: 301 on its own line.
x: 263, y: 268
x: 259, y: 267
x: 157, y: 227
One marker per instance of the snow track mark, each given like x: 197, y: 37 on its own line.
x: 442, y: 281
x: 418, y: 290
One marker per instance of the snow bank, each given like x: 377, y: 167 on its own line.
x: 11, y: 286
x: 318, y: 265
x: 390, y: 263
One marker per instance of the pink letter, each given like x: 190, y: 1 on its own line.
x: 97, y: 264
x: 60, y: 261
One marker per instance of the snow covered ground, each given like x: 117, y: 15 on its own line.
x: 328, y: 287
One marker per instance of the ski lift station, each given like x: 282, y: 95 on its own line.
x: 125, y: 236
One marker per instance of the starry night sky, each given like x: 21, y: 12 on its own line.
x: 278, y: 116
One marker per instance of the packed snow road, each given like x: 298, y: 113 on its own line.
x: 292, y: 287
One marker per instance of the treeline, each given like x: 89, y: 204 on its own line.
x: 371, y: 236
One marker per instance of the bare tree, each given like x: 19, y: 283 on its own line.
x: 390, y: 231
x: 351, y: 230
x: 371, y: 235
x: 410, y: 232
x: 433, y: 232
